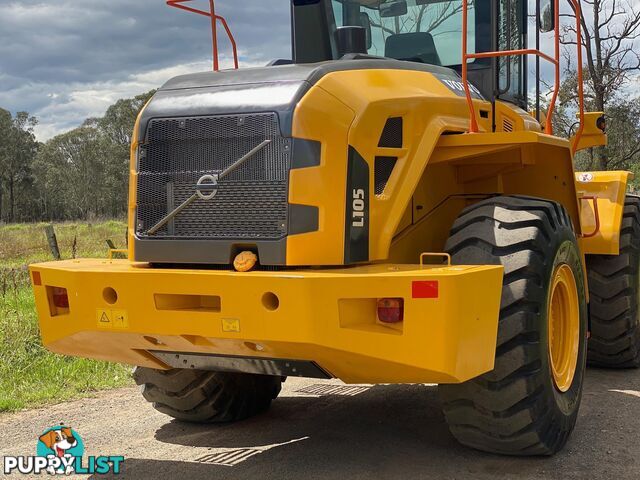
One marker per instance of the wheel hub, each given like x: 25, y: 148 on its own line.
x: 564, y: 327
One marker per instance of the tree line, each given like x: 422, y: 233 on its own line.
x: 83, y: 174
x: 80, y: 174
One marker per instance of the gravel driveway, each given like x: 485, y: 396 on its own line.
x: 328, y: 430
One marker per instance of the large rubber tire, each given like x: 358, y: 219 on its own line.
x: 517, y: 409
x: 207, y: 397
x: 614, y: 286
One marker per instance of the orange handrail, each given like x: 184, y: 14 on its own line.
x: 596, y: 215
x: 555, y: 60
x: 214, y: 28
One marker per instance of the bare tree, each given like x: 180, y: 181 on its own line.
x: 609, y: 34
x: 443, y: 11
x: 426, y: 18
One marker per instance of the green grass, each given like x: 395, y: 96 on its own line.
x: 31, y: 376
x: 23, y: 244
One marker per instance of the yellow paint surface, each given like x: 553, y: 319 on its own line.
x: 610, y: 190
x: 326, y: 316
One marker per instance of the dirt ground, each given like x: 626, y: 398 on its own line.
x: 327, y: 430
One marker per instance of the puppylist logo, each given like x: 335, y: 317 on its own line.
x: 60, y: 451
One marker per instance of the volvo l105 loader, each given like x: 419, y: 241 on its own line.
x: 389, y: 206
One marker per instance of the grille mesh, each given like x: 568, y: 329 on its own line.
x: 251, y: 202
x: 382, y: 172
x: 392, y: 133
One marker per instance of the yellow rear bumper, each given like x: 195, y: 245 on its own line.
x: 121, y: 311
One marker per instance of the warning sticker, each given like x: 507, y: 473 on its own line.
x: 104, y: 318
x: 230, y: 325
x: 585, y: 177
x: 118, y: 319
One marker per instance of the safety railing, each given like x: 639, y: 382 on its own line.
x: 596, y: 216
x: 214, y: 28
x: 555, y: 61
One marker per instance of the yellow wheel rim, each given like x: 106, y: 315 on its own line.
x: 564, y: 327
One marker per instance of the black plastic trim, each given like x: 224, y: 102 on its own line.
x: 310, y: 72
x: 306, y: 153
x: 207, y: 252
x: 194, y: 94
x: 303, y: 219
x: 230, y: 363
x: 356, y: 241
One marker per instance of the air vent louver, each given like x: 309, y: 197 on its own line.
x: 392, y: 134
x: 507, y: 125
x: 382, y: 172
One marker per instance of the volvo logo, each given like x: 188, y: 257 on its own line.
x: 207, y: 187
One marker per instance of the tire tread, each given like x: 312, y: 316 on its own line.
x: 504, y: 410
x: 614, y: 283
x: 207, y: 397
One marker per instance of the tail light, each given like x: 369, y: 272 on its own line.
x: 391, y: 310
x: 60, y: 297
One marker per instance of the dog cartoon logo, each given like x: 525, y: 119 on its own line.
x: 585, y: 177
x: 61, y: 442
x: 60, y: 450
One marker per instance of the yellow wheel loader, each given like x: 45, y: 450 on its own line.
x: 389, y: 206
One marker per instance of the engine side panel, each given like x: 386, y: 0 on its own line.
x: 350, y: 111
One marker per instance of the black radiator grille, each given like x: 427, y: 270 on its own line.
x: 251, y: 202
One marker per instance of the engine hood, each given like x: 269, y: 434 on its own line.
x: 254, y: 90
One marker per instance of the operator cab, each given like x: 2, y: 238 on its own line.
x: 427, y: 32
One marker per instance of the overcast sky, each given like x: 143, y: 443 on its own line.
x: 66, y: 60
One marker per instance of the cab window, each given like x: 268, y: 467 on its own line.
x: 425, y: 31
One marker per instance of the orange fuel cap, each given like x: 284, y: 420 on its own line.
x: 245, y: 261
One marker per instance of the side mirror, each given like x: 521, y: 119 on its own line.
x: 393, y: 9
x: 547, y: 16
x: 365, y: 21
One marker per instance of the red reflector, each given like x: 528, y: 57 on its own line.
x: 424, y: 289
x: 37, y: 279
x: 391, y: 310
x: 60, y: 297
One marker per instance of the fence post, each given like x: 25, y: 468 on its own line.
x: 112, y: 246
x: 53, y: 241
